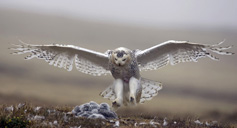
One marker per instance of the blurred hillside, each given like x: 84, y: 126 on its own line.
x: 187, y: 88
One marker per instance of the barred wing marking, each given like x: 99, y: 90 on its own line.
x: 150, y: 89
x: 109, y: 93
x: 63, y: 56
x: 174, y: 52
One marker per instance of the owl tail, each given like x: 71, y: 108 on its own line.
x: 108, y: 93
x: 150, y: 89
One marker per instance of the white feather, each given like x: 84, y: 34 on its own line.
x: 62, y: 56
x: 174, y: 52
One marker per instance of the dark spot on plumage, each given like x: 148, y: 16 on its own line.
x: 113, y: 70
x: 120, y: 54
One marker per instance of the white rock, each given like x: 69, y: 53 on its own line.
x: 111, y: 121
x: 55, y: 122
x: 39, y: 117
x: 51, y: 111
x: 10, y: 109
x: 116, y: 124
x: 198, y: 122
x: 214, y: 122
x: 20, y: 105
x: 135, y: 124
x: 37, y: 109
x: 154, y: 123
x: 65, y: 118
x: 165, y: 123
x: 142, y: 123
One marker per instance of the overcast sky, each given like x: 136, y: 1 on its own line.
x: 161, y: 13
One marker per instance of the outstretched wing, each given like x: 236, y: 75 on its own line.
x: 63, y: 56
x: 174, y: 52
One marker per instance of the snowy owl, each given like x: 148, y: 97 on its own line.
x: 128, y: 88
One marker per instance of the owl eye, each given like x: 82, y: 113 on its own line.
x: 124, y: 59
x: 116, y: 59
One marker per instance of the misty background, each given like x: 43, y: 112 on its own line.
x: 195, y: 88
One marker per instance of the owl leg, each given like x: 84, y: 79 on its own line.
x: 134, y: 88
x: 118, y: 89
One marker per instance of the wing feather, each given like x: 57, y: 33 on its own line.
x: 150, y: 89
x: 63, y: 56
x: 108, y: 93
x: 173, y: 52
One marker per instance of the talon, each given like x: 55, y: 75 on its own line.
x: 131, y: 99
x: 114, y: 103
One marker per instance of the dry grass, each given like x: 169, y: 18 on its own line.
x: 28, y: 116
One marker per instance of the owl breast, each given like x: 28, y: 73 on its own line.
x: 125, y: 72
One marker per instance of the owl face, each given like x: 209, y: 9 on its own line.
x: 121, y: 56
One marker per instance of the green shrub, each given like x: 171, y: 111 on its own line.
x: 15, y: 122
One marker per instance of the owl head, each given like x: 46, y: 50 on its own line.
x: 121, y: 56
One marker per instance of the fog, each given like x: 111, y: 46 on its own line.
x: 211, y: 14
